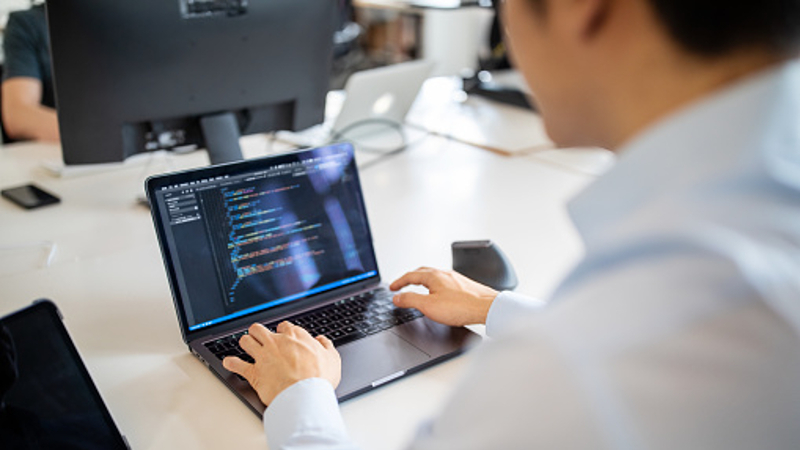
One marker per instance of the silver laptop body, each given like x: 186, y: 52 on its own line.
x: 287, y: 237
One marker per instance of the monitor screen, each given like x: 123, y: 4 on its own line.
x: 254, y: 235
x: 143, y: 75
x: 47, y: 399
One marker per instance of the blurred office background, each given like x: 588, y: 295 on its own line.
x: 375, y: 33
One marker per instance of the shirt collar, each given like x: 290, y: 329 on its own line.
x: 708, y: 136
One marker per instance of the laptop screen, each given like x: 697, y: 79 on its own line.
x: 250, y: 236
x: 47, y: 399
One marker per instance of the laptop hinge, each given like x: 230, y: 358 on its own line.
x: 272, y: 315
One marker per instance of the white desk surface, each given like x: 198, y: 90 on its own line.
x: 108, y: 278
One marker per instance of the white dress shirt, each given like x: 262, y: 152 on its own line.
x: 679, y: 329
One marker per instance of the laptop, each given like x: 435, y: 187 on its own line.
x: 286, y: 237
x: 376, y: 100
x: 47, y: 398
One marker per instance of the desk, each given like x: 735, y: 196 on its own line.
x: 109, y: 281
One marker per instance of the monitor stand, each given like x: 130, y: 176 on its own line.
x: 221, y: 134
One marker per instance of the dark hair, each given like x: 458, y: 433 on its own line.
x: 717, y: 27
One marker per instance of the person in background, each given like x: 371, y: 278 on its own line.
x: 28, y: 106
x: 679, y: 328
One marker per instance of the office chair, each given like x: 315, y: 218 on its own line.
x: 348, y: 56
x: 497, y: 59
x: 347, y: 31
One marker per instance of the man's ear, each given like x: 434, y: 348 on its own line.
x: 590, y: 17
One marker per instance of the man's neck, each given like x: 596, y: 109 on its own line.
x: 635, y: 107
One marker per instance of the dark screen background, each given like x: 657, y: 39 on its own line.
x: 276, y: 235
x: 46, y: 402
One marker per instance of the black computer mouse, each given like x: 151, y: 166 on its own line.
x: 485, y: 263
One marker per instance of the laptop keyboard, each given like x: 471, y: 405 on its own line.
x: 342, y: 322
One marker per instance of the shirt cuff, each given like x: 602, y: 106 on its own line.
x: 508, y: 307
x: 305, y: 411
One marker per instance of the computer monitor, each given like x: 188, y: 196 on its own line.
x: 144, y: 75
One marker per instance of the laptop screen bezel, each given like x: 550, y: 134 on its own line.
x: 155, y: 183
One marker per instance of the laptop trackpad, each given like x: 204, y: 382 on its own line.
x: 375, y: 359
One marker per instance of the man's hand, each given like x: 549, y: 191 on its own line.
x: 453, y: 299
x: 284, y: 358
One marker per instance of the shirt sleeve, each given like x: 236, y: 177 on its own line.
x: 509, y: 307
x: 306, y: 415
x: 19, y: 50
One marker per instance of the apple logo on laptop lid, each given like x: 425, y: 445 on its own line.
x: 383, y: 104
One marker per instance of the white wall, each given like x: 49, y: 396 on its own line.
x: 454, y: 38
x: 6, y: 6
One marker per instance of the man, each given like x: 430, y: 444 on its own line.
x: 679, y: 329
x: 28, y: 97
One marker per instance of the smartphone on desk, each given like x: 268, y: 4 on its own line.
x: 30, y: 196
